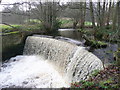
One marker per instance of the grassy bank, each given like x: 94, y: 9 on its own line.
x: 20, y: 28
x: 68, y: 23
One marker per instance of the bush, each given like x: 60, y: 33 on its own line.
x: 96, y: 44
x: 105, y: 34
x: 51, y: 30
x: 96, y: 72
x: 87, y: 32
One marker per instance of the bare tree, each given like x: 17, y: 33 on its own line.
x: 115, y: 17
x: 47, y: 13
x: 103, y: 14
x: 92, y: 15
x: 118, y: 4
x: 82, y: 14
x: 99, y: 13
x: 109, y: 13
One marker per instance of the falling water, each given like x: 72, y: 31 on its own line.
x: 48, y: 63
x: 30, y: 72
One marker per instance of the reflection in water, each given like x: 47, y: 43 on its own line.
x: 71, y: 33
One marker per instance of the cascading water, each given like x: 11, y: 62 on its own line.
x: 30, y: 72
x: 49, y: 63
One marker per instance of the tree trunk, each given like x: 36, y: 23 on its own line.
x: 103, y: 15
x: 99, y: 14
x: 9, y: 25
x: 83, y: 13
x: 109, y: 12
x: 119, y: 20
x: 92, y: 14
x: 75, y: 24
x: 92, y: 17
x: 115, y: 17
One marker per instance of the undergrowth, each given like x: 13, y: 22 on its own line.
x: 104, y: 79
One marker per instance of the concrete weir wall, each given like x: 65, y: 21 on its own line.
x: 74, y: 63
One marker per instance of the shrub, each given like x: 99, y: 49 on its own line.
x: 95, y: 72
x: 51, y: 29
x: 96, y: 44
x: 105, y: 34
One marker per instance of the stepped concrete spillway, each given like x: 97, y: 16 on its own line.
x: 73, y: 62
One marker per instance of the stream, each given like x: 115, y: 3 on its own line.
x: 35, y: 71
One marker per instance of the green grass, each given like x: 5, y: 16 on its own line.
x: 32, y: 21
x: 69, y: 23
x: 87, y: 23
x: 63, y: 21
x: 19, y: 28
x: 66, y: 23
x: 7, y: 29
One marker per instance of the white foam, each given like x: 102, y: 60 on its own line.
x: 30, y: 72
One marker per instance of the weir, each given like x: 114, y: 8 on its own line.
x: 48, y: 63
x: 73, y: 62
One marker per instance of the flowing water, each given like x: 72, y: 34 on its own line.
x: 30, y: 72
x: 48, y: 63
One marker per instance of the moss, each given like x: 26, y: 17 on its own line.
x: 21, y: 28
x: 10, y: 33
x: 95, y: 72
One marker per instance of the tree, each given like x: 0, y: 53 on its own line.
x: 99, y: 14
x: 115, y: 17
x: 109, y: 13
x: 118, y: 24
x: 118, y: 18
x: 103, y: 15
x: 82, y: 14
x: 92, y: 17
x: 46, y: 12
x: 73, y: 11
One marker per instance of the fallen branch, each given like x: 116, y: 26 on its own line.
x: 9, y: 25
